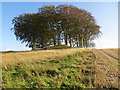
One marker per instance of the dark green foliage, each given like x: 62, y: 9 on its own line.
x: 52, y: 26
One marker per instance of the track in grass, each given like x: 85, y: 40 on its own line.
x: 83, y: 68
x: 106, y: 69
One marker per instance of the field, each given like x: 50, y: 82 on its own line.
x: 61, y: 68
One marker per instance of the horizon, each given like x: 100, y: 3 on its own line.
x: 51, y: 49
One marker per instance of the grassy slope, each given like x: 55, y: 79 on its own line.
x: 13, y: 58
x: 76, y: 70
x: 60, y: 68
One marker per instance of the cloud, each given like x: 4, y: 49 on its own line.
x: 5, y: 49
x: 14, y: 49
x: 106, y: 43
x: 26, y: 48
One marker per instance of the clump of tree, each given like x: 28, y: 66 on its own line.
x: 54, y: 26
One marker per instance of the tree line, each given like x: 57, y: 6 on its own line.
x: 56, y: 25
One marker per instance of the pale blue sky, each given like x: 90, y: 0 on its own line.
x: 105, y: 13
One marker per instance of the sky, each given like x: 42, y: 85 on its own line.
x: 105, y: 14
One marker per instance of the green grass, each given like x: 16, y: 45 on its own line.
x: 72, y: 71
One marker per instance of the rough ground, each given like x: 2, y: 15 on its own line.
x: 88, y: 68
x: 106, y: 68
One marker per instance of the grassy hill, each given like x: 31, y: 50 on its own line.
x: 60, y: 68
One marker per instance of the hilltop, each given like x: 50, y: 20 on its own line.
x: 61, y: 68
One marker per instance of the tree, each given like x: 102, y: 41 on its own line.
x: 29, y: 28
x: 54, y: 22
x: 77, y: 24
x: 53, y: 25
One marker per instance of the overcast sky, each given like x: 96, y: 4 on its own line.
x: 105, y: 13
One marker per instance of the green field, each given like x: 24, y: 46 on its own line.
x: 72, y: 71
x: 61, y: 68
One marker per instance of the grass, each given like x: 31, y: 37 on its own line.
x: 59, y: 47
x: 72, y: 71
x: 13, y: 58
x: 58, y: 68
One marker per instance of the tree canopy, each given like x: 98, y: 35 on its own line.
x: 52, y: 26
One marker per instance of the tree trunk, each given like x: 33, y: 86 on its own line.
x: 77, y: 41
x: 59, y: 43
x: 70, y: 41
x: 77, y: 44
x: 83, y: 42
x: 80, y: 41
x: 66, y: 43
x: 34, y: 45
x: 54, y: 42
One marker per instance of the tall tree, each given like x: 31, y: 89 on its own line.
x: 53, y: 25
x: 29, y: 28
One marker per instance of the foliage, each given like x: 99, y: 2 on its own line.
x: 53, y: 26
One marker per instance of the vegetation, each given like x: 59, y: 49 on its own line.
x: 58, y: 47
x: 73, y: 71
x: 12, y: 58
x: 61, y: 68
x: 54, y: 26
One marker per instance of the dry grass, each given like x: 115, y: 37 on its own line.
x: 102, y: 63
x: 13, y: 58
x: 106, y: 68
